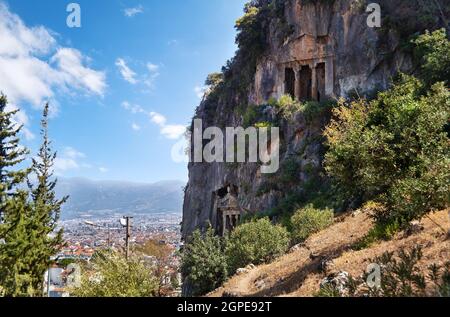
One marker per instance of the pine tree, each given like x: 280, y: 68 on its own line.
x: 14, y: 209
x: 46, y: 207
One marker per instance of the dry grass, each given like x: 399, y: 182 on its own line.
x: 299, y: 273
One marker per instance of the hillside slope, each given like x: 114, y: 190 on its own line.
x: 300, y: 272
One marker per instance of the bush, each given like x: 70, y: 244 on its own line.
x: 308, y: 220
x: 214, y: 79
x: 393, y: 149
x: 256, y: 242
x: 400, y: 276
x: 203, y: 263
x: 288, y: 106
x: 432, y: 51
x: 111, y: 275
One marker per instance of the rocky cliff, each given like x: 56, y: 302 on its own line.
x: 314, y: 51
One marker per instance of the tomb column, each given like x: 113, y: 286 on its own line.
x: 314, y: 95
x: 297, y: 81
x: 329, y: 77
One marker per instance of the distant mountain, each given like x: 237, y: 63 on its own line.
x: 106, y: 197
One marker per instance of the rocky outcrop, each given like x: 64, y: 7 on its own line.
x: 331, y: 52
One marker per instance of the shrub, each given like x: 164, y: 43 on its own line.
x: 308, y: 220
x: 288, y: 106
x: 256, y: 242
x: 393, y: 149
x: 250, y: 116
x: 401, y: 276
x: 214, y: 79
x: 111, y: 275
x: 432, y: 51
x: 203, y: 263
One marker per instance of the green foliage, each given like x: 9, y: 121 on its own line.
x: 214, y: 79
x: 308, y: 220
x: 381, y: 231
x: 413, y: 17
x: 15, y: 274
x: 250, y: 115
x: 46, y: 207
x: 256, y: 242
x: 401, y: 276
x: 249, y: 35
x: 203, y: 263
x: 286, y: 177
x: 288, y: 107
x: 110, y: 275
x: 263, y: 124
x: 433, y: 53
x: 328, y: 292
x: 28, y: 218
x: 393, y: 149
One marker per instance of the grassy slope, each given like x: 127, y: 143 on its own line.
x: 299, y: 273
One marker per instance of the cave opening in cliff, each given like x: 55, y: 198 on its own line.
x: 320, y: 75
x: 305, y: 83
x: 289, y: 82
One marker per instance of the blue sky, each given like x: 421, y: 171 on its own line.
x: 122, y: 86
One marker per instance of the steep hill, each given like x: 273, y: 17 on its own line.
x: 300, y: 272
x: 313, y: 50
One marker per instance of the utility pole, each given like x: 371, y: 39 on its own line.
x: 128, y: 236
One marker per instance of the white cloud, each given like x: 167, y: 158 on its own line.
x: 33, y: 66
x: 153, y: 73
x: 152, y: 68
x: 134, y: 109
x: 158, y: 119
x: 70, y: 63
x: 147, y: 79
x: 69, y: 159
x: 173, y: 132
x: 103, y: 169
x: 70, y: 152
x: 135, y: 127
x: 200, y: 91
x: 63, y: 164
x: 131, y: 12
x: 126, y: 72
x: 170, y: 131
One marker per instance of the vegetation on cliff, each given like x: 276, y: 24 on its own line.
x: 390, y: 153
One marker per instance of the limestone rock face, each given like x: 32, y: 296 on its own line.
x: 334, y: 33
x: 330, y: 53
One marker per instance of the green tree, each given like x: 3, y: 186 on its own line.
x: 433, y: 53
x: 203, y: 263
x: 394, y: 149
x: 110, y: 275
x: 214, y: 79
x: 161, y: 253
x: 46, y: 207
x: 255, y: 242
x: 15, y: 279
